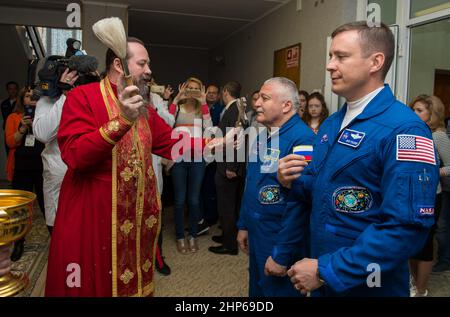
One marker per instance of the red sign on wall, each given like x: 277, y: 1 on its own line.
x: 292, y: 57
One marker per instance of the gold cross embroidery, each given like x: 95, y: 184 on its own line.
x: 151, y: 221
x: 127, y: 276
x: 126, y: 227
x: 147, y: 265
x: 126, y: 174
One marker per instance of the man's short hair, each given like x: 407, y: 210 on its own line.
x: 11, y: 83
x: 372, y: 39
x: 288, y: 91
x: 233, y: 88
x: 213, y: 85
x: 111, y: 56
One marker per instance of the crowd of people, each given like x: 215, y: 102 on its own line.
x: 317, y: 202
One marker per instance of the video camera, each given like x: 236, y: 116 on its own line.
x: 51, y: 68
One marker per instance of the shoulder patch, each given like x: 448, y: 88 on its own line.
x: 415, y: 148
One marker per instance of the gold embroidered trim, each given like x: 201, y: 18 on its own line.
x: 106, y: 137
x: 139, y: 167
x: 127, y: 121
x: 150, y: 172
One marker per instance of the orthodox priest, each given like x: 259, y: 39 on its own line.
x: 108, y: 220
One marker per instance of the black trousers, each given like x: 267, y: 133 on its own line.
x: 209, y: 195
x: 29, y: 180
x: 229, y: 193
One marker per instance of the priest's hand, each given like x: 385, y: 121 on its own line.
x: 5, y: 262
x: 131, y: 102
x: 234, y: 137
x: 273, y: 268
x: 304, y: 275
x: 290, y: 168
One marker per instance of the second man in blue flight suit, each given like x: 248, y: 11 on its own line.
x: 272, y: 232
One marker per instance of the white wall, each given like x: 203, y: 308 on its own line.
x: 249, y: 54
x: 93, y: 12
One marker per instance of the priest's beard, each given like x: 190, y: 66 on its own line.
x: 144, y: 91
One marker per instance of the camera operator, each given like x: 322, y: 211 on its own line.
x: 45, y: 127
x: 24, y: 165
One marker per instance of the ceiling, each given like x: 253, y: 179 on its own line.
x: 201, y: 24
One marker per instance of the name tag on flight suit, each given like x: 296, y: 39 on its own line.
x: 351, y: 138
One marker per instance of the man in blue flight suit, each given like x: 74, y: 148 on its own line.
x: 272, y: 232
x: 372, y: 180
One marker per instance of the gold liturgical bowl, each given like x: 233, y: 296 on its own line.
x: 16, y: 214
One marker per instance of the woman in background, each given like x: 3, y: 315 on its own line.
x: 24, y: 165
x: 431, y: 110
x: 303, y: 97
x: 316, y: 111
x: 191, y: 114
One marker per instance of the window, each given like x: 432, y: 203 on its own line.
x: 430, y: 44
x: 54, y: 40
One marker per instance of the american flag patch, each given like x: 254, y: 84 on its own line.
x: 415, y: 148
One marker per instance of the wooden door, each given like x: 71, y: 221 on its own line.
x: 442, y: 88
x: 286, y: 63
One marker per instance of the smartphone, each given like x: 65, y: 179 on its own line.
x: 193, y: 93
x: 29, y: 111
x: 157, y: 89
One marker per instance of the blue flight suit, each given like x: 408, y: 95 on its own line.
x: 215, y: 111
x: 373, y: 187
x: 274, y: 228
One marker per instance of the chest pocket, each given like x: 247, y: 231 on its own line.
x: 422, y: 197
x: 353, y: 161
